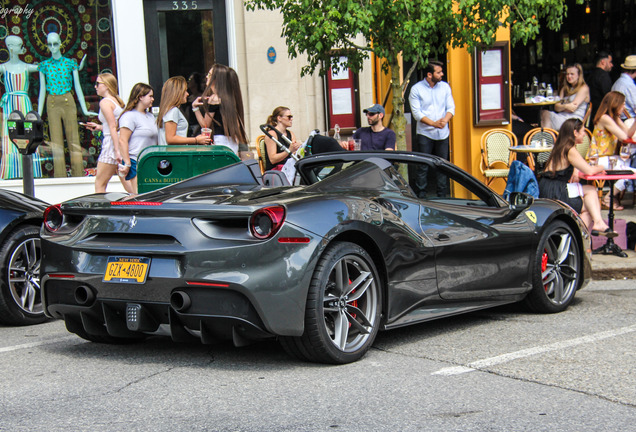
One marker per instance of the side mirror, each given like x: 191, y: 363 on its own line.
x: 520, y: 201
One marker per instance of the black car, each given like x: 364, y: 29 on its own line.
x: 322, y: 265
x: 20, y: 222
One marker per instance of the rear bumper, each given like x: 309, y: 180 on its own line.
x: 207, y: 316
x: 259, y: 290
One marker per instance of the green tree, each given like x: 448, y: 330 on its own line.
x: 416, y: 29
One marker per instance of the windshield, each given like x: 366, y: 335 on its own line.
x: 353, y: 175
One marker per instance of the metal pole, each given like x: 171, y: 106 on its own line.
x: 27, y: 175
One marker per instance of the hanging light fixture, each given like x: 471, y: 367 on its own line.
x: 587, y: 7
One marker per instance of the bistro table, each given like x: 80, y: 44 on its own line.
x: 538, y: 105
x: 610, y: 176
x: 531, y: 149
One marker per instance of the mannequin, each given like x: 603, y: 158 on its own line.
x: 58, y: 75
x: 15, y: 77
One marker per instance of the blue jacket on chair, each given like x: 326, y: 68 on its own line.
x: 521, y: 179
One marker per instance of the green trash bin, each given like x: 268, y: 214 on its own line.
x: 160, y: 166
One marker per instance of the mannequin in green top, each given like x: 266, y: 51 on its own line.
x: 58, y: 75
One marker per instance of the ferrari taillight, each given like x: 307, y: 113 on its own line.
x: 265, y: 222
x: 53, y: 217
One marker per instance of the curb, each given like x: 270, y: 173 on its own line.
x: 614, y: 274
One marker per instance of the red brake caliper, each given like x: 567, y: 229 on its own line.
x: 354, y: 304
x: 544, y: 265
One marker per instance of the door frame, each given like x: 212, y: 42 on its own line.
x: 151, y: 19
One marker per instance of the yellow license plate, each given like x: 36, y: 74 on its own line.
x: 122, y: 269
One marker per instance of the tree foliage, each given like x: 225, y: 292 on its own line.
x: 416, y: 29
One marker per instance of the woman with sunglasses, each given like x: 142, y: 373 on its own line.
x: 281, y: 120
x: 110, y: 108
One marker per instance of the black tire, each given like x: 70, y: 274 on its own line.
x: 556, y: 270
x: 20, y: 296
x: 341, y: 319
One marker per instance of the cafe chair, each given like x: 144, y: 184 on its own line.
x: 260, y: 150
x: 626, y: 114
x: 586, y: 117
x: 584, y: 147
x: 536, y: 137
x: 495, y: 153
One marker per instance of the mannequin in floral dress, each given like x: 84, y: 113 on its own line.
x: 15, y: 77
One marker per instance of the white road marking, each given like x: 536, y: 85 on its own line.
x: 504, y: 358
x: 36, y: 344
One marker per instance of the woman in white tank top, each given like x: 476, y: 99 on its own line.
x: 110, y: 108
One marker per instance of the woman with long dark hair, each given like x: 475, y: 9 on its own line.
x: 554, y: 183
x: 222, y: 106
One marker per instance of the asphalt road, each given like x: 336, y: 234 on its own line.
x: 497, y: 370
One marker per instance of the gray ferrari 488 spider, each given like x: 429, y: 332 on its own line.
x: 322, y: 265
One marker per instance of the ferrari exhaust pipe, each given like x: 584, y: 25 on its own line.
x: 84, y: 295
x: 180, y: 301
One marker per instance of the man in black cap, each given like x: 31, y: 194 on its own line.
x: 375, y: 137
x: 599, y: 80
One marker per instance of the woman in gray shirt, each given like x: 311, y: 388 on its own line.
x: 172, y: 124
x: 137, y: 130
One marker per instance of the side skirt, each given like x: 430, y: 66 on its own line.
x: 431, y: 313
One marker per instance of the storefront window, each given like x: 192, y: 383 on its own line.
x: 85, y: 31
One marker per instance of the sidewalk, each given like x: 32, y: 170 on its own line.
x: 608, y: 267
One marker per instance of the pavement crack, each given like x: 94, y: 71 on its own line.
x: 388, y: 351
x: 143, y: 378
x: 503, y: 375
x: 532, y: 381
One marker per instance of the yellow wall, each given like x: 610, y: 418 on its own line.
x: 465, y: 138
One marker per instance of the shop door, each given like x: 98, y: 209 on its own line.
x: 183, y: 37
x: 342, y: 98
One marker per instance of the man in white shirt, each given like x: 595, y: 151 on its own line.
x: 625, y: 84
x: 432, y: 105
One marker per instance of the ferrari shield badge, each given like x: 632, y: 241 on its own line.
x: 532, y: 216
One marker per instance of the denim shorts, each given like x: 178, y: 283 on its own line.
x: 132, y: 172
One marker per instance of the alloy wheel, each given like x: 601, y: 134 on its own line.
x: 24, y: 276
x: 350, y: 303
x: 559, y: 267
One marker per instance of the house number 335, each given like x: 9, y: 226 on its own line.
x: 184, y: 5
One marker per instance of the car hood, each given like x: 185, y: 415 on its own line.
x: 16, y: 201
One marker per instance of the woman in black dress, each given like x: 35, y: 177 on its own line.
x: 555, y: 180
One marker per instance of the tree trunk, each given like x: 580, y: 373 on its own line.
x: 398, y: 122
